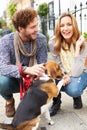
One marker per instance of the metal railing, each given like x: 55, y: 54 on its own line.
x: 81, y: 16
x: 79, y: 12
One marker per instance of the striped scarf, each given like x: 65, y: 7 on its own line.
x: 19, y: 47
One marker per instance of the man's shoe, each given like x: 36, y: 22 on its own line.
x: 10, y: 108
x: 77, y: 102
x: 56, y: 105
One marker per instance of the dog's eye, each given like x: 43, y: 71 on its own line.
x: 46, y: 71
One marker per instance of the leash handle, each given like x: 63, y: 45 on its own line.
x: 25, y: 82
x: 20, y: 70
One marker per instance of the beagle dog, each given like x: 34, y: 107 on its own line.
x: 37, y: 100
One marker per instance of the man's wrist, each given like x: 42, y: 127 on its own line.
x: 24, y: 69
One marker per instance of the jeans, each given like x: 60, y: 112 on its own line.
x: 8, y: 86
x: 75, y: 88
x: 77, y: 85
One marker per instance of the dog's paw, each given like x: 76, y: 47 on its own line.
x: 51, y: 122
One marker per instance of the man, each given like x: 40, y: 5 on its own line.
x: 25, y: 46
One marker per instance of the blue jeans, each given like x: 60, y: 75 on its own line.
x: 8, y: 86
x: 75, y: 88
x: 77, y: 85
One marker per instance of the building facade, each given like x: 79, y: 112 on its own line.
x: 56, y: 7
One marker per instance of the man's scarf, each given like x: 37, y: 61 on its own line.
x: 19, y: 47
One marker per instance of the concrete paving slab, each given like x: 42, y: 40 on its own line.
x: 67, y: 118
x: 67, y: 121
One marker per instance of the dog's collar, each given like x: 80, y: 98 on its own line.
x: 45, y: 77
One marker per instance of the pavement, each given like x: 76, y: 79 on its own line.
x: 67, y: 117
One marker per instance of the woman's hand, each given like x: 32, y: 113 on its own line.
x: 79, y: 43
x: 66, y: 79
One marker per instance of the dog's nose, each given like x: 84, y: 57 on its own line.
x: 59, y: 77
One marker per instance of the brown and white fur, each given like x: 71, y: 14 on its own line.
x: 47, y: 90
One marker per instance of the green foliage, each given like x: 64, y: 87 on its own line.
x: 12, y: 9
x: 2, y: 23
x: 85, y: 35
x: 11, y: 27
x: 42, y: 9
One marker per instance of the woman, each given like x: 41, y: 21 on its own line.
x: 62, y: 47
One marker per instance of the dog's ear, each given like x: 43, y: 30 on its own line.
x: 50, y: 69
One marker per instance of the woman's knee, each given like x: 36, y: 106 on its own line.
x: 73, y: 91
x: 75, y: 88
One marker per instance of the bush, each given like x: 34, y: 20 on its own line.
x: 42, y: 9
x: 12, y: 9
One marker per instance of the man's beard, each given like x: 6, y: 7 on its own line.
x: 29, y: 37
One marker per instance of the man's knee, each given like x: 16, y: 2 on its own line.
x: 4, y: 84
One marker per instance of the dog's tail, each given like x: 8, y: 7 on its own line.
x: 6, y: 126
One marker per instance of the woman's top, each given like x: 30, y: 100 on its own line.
x: 69, y: 64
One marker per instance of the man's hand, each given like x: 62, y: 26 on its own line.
x: 35, y: 70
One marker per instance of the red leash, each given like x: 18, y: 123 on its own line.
x: 25, y: 82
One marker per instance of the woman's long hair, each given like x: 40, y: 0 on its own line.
x: 59, y: 40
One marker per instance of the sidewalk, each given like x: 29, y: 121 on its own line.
x: 66, y: 119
